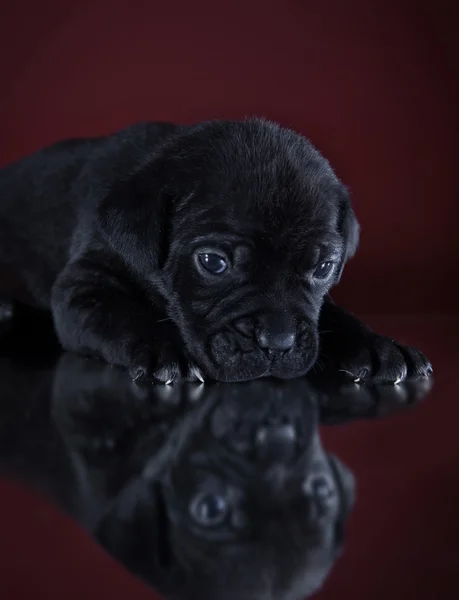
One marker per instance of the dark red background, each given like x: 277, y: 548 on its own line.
x: 374, y: 84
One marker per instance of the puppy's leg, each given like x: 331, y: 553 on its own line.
x: 95, y: 314
x: 350, y: 347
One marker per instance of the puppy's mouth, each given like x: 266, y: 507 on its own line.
x: 233, y: 355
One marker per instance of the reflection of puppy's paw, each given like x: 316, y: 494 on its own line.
x: 381, y: 359
x: 167, y: 366
x: 347, y: 401
x: 6, y: 310
x: 6, y: 316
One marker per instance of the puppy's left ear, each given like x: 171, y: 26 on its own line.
x: 348, y: 227
x: 134, y: 217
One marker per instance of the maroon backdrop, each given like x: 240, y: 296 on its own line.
x: 373, y: 83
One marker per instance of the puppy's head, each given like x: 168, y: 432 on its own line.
x: 247, y: 228
x: 246, y: 504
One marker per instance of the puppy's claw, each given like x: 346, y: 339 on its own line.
x: 357, y: 380
x: 167, y: 374
x: 398, y: 380
x: 195, y: 373
x: 137, y: 374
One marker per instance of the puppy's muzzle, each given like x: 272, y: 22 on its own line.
x: 275, y: 343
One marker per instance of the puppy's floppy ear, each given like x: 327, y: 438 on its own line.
x: 348, y: 227
x: 134, y: 216
x: 134, y: 530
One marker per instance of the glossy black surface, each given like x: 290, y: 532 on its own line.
x: 202, y: 491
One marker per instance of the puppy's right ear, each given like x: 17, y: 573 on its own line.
x: 348, y: 227
x: 133, y: 219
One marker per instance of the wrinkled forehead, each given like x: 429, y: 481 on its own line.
x: 257, y: 180
x: 294, y: 217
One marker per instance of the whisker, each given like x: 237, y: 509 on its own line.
x: 345, y: 371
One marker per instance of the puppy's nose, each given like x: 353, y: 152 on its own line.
x: 275, y: 442
x: 275, y: 332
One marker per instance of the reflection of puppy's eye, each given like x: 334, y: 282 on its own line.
x: 320, y: 487
x: 214, y: 263
x: 209, y: 509
x: 323, y: 270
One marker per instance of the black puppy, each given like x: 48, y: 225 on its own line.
x: 191, y: 252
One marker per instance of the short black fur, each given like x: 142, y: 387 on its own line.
x: 105, y: 234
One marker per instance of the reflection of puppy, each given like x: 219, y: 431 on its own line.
x: 191, y: 251
x: 232, y: 497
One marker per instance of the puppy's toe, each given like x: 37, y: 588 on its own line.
x: 195, y: 374
x: 357, y: 368
x: 419, y: 366
x: 138, y: 372
x: 141, y: 362
x: 168, y: 373
x: 389, y: 362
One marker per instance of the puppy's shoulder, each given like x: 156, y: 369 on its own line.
x: 118, y: 155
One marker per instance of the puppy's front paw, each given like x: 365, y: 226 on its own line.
x: 165, y: 367
x: 382, y: 359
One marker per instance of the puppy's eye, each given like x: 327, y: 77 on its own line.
x: 209, y: 509
x: 213, y: 263
x: 320, y: 487
x: 323, y: 270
